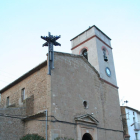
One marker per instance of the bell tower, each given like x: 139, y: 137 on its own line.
x: 95, y: 46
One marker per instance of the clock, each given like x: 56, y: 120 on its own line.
x: 108, y: 72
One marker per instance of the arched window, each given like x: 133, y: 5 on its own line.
x: 85, y: 54
x: 85, y: 104
x: 104, y: 54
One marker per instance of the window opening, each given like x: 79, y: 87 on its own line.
x: 104, y: 54
x: 7, y: 101
x: 85, y: 54
x: 85, y: 104
x: 23, y: 94
x: 136, y: 135
x: 134, y: 122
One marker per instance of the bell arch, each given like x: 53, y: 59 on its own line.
x: 84, y: 52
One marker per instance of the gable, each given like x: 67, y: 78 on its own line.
x: 87, y: 118
x: 77, y: 58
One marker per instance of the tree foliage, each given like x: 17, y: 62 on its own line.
x: 63, y: 138
x: 32, y: 137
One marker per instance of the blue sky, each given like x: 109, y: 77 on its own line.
x: 23, y: 22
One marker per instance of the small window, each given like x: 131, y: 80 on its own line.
x: 136, y: 135
x: 105, y: 55
x: 134, y: 119
x: 85, y: 54
x: 7, y: 101
x: 133, y: 113
x: 23, y: 94
x: 85, y: 104
x: 134, y: 122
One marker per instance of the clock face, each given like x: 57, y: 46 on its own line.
x: 108, y: 72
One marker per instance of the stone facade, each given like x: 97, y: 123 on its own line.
x: 11, y: 128
x: 74, y: 80
x: 35, y: 84
x: 78, y: 102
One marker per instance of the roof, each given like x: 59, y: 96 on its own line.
x: 24, y: 76
x: 43, y: 64
x: 89, y: 29
x: 131, y: 108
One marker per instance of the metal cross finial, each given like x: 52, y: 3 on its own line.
x: 51, y: 40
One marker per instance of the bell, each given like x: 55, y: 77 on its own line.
x: 105, y: 58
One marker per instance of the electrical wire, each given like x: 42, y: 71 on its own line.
x: 4, y: 81
x: 7, y: 76
x: 8, y: 73
x: 56, y: 120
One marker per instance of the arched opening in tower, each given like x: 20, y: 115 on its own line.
x: 85, y: 54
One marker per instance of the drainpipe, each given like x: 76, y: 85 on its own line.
x: 46, y: 122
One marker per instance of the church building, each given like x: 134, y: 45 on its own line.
x: 79, y: 100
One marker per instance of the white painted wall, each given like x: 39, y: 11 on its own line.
x: 138, y: 116
x: 95, y: 52
x: 131, y: 130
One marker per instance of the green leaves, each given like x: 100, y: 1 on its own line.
x: 63, y: 138
x: 32, y: 137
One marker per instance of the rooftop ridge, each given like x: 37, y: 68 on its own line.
x: 88, y: 29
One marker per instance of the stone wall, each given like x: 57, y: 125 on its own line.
x: 72, y: 81
x: 75, y: 80
x: 37, y: 100
x: 11, y: 128
x: 34, y: 126
x: 35, y: 84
